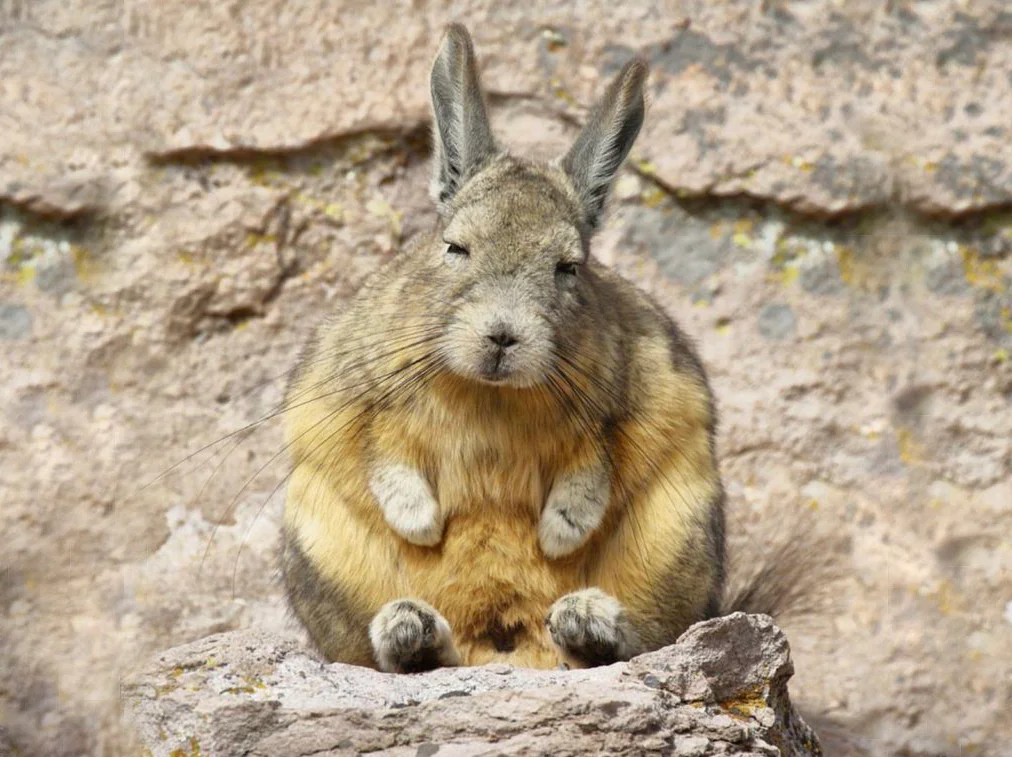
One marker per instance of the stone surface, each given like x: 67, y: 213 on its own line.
x: 874, y: 102
x: 722, y: 689
x: 187, y: 188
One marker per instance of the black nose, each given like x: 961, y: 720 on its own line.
x: 502, y: 337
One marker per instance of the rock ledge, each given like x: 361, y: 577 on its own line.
x: 722, y: 689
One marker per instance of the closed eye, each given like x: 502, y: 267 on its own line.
x: 456, y: 249
x: 566, y: 269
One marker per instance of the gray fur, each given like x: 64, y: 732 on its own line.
x: 333, y: 620
x: 518, y: 222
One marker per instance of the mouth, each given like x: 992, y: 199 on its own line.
x: 495, y: 379
x: 495, y: 370
x: 496, y: 374
x: 491, y: 367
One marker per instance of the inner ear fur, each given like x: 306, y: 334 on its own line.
x: 462, y: 138
x: 603, y: 144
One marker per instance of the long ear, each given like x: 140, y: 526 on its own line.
x: 463, y: 139
x: 606, y: 139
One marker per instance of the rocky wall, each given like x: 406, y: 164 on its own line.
x: 822, y: 195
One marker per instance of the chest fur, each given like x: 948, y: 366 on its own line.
x: 486, y: 455
x: 491, y: 466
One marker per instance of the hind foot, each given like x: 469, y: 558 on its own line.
x: 410, y: 636
x: 591, y: 627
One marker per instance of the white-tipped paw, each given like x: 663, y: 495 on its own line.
x: 591, y: 627
x: 408, y: 505
x: 575, y: 508
x: 410, y: 636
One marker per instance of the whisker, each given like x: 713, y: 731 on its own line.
x: 353, y: 421
x: 353, y: 346
x: 370, y: 384
x: 588, y: 424
x: 276, y: 411
x: 662, y: 475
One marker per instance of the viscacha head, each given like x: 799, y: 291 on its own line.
x: 510, y: 267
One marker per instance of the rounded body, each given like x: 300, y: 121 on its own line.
x: 631, y: 394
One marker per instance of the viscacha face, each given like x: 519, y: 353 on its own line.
x: 513, y: 266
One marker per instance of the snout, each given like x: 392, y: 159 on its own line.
x: 502, y: 342
x: 499, y: 347
x: 503, y: 337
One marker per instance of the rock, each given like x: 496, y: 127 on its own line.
x: 6, y: 745
x: 721, y: 689
x: 776, y: 321
x: 62, y: 198
x: 15, y: 322
x: 820, y: 107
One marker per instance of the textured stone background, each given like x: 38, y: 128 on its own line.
x: 822, y: 195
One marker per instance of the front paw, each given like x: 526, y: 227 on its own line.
x: 575, y: 508
x: 408, y: 505
x: 559, y: 535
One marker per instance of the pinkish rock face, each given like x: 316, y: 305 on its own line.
x: 185, y: 190
x: 722, y: 689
